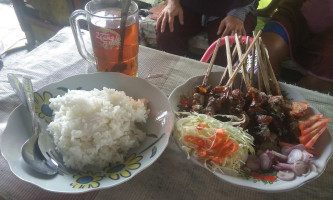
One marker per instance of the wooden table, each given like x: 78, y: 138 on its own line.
x: 172, y: 176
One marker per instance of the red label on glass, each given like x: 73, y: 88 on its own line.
x: 109, y: 39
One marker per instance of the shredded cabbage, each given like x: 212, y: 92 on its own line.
x: 187, y: 125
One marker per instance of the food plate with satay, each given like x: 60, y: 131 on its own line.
x: 247, y: 128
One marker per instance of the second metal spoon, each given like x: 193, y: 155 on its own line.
x: 30, y: 151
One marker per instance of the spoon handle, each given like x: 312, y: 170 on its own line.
x: 125, y: 4
x: 15, y: 83
x: 29, y: 94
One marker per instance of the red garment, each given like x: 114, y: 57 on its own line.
x: 311, y: 50
x: 177, y: 41
x: 318, y: 14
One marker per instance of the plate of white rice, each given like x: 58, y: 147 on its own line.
x: 108, y: 127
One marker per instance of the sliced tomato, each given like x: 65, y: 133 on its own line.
x: 219, y: 131
x: 200, y: 142
x: 201, y: 152
x: 299, y: 108
x: 216, y: 159
x: 201, y: 126
x: 309, y: 121
x: 313, y: 140
x: 225, y: 147
x: 303, y: 139
x: 220, y: 141
x: 318, y: 124
x: 233, y: 148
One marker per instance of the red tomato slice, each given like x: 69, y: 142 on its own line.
x: 313, y: 140
x: 220, y: 141
x: 309, y: 121
x: 298, y: 108
x: 303, y: 139
x: 219, y: 131
x: 216, y: 159
x: 201, y: 126
x: 319, y: 124
x: 234, y: 148
x: 201, y: 152
x: 194, y: 140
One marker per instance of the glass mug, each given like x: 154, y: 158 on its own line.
x: 104, y: 19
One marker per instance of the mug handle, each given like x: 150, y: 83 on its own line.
x: 74, y: 19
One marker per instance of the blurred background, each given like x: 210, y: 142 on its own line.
x: 24, y: 24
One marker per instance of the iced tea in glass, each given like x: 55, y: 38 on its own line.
x: 104, y: 19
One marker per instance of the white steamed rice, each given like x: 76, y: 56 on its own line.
x: 95, y: 128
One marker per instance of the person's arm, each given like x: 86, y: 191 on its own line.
x: 234, y: 21
x: 172, y: 9
x: 241, y: 12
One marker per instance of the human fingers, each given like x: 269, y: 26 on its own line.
x: 221, y: 28
x: 171, y: 20
x: 227, y: 31
x: 181, y: 17
x: 158, y: 21
x: 163, y: 23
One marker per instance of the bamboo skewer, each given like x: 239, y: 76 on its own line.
x: 241, y: 62
x: 204, y: 82
x: 234, y: 52
x: 244, y: 70
x: 247, y: 42
x: 259, y: 81
x: 227, y: 47
x: 270, y: 68
x: 262, y: 68
x: 252, y: 67
x: 223, y: 76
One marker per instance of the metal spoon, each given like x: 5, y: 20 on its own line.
x: 120, y: 66
x: 30, y: 151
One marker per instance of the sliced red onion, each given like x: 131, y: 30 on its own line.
x: 286, y: 175
x: 313, y: 167
x: 295, y: 155
x: 265, y: 161
x: 286, y: 150
x: 279, y: 157
x: 283, y: 166
x: 253, y: 163
x: 301, y: 167
x: 306, y: 156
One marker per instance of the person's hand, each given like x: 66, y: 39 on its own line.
x: 168, y: 14
x: 231, y: 25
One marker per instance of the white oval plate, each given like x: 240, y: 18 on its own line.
x: 158, y: 129
x: 266, y: 182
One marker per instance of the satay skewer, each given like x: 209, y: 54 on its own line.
x: 244, y: 70
x: 260, y: 87
x: 270, y: 68
x: 229, y: 61
x: 204, y: 82
x: 252, y: 67
x: 241, y: 62
x: 234, y: 53
x: 262, y: 68
x: 223, y: 76
x: 247, y: 42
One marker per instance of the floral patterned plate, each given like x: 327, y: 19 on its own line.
x: 158, y: 129
x: 267, y: 182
